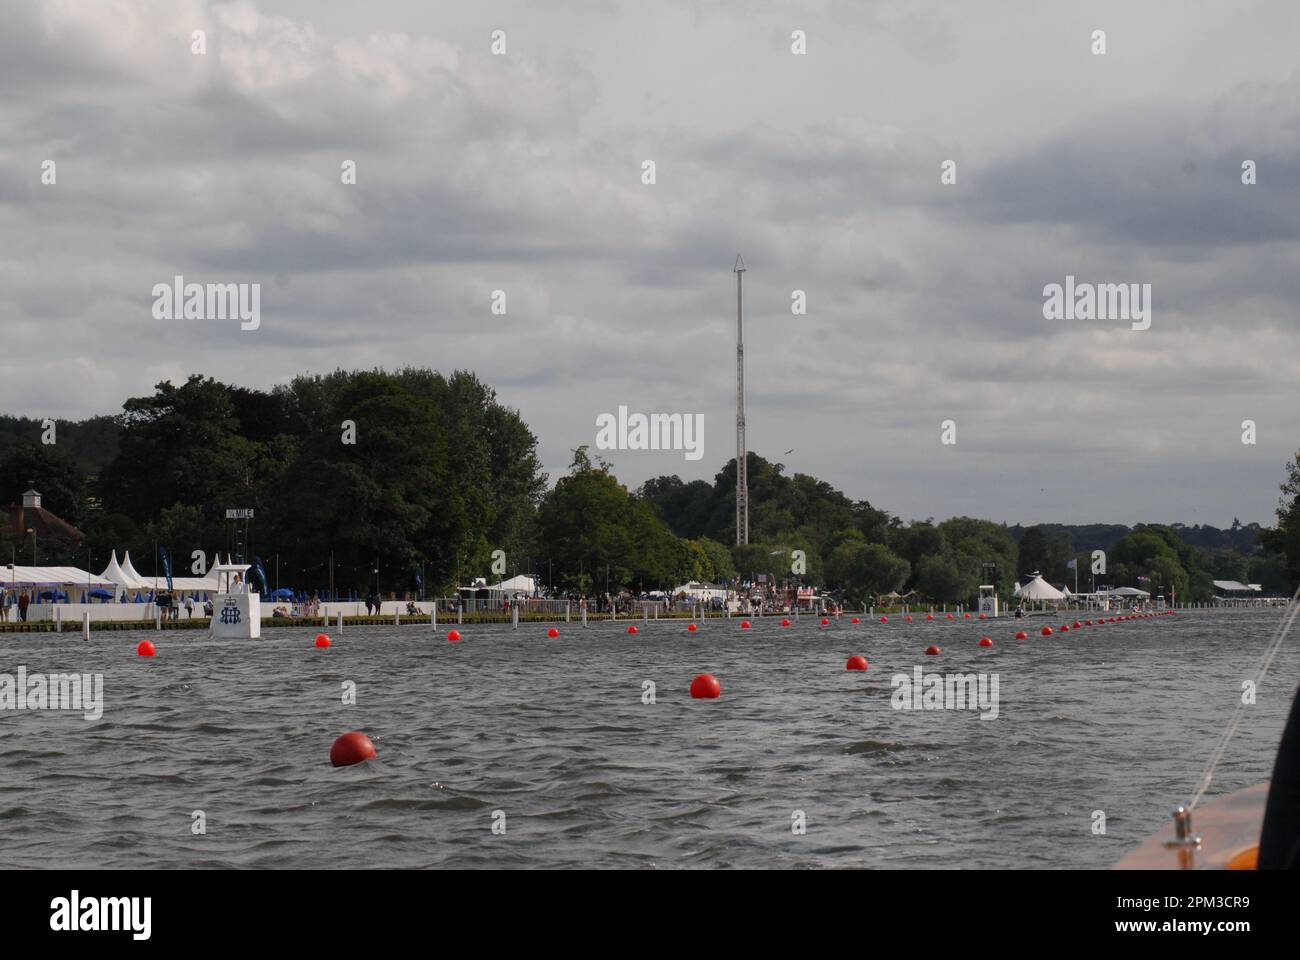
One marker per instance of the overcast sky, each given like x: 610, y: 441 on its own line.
x: 523, y: 173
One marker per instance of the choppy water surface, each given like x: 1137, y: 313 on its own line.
x: 1119, y: 718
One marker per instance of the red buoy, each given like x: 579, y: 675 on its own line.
x: 932, y: 651
x: 146, y: 649
x: 352, y: 748
x: 706, y: 687
x: 929, y: 616
x: 986, y: 641
x: 322, y: 641
x: 859, y: 619
x: 983, y: 616
x: 968, y: 616
x: 633, y: 629
x: 1047, y: 631
x: 884, y: 619
x: 1087, y: 623
x: 1077, y: 625
x: 454, y: 636
x: 950, y: 616
x: 744, y: 624
x: 825, y: 622
x: 1065, y: 628
x: 856, y: 662
x: 1021, y: 635
x: 908, y: 618
x: 691, y: 627
x: 552, y: 633
x: 785, y: 623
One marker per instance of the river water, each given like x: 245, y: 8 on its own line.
x: 550, y: 740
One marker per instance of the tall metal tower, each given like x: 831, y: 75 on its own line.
x: 742, y: 457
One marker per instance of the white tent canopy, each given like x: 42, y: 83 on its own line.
x: 117, y: 575
x: 700, y: 591
x: 519, y: 584
x: 126, y: 578
x: 130, y: 571
x: 51, y: 577
x: 1038, y: 589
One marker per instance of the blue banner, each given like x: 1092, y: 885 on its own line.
x: 261, y: 575
x: 167, y: 566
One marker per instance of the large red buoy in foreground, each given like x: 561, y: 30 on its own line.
x: 882, y: 619
x: 825, y: 622
x: 932, y: 651
x: 352, y: 748
x: 859, y: 619
x: 986, y: 641
x: 1021, y: 635
x: 744, y: 624
x: 929, y: 616
x: 1047, y: 631
x: 785, y: 623
x: 322, y: 641
x: 146, y: 649
x: 692, y: 627
x: 552, y: 633
x: 908, y: 618
x: 454, y: 636
x: 633, y: 629
x: 706, y: 687
x: 856, y: 662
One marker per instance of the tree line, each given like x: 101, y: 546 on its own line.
x: 429, y: 480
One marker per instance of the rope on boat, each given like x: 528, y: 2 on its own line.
x: 1270, y: 652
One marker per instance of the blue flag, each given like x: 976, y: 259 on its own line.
x: 261, y: 574
x: 167, y: 565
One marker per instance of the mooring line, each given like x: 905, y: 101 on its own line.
x: 1270, y: 652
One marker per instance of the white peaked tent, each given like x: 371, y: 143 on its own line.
x: 1038, y: 589
x: 117, y: 575
x: 126, y: 578
x: 130, y: 571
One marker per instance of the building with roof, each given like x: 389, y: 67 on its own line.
x: 30, y: 518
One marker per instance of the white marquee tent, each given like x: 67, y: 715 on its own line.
x: 1037, y: 588
x: 519, y: 584
x: 66, y: 577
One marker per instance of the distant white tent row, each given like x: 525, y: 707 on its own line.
x: 127, y: 578
x: 1036, y: 588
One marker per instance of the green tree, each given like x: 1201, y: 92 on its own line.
x: 1285, y: 538
x: 51, y: 471
x: 939, y: 579
x: 865, y: 570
